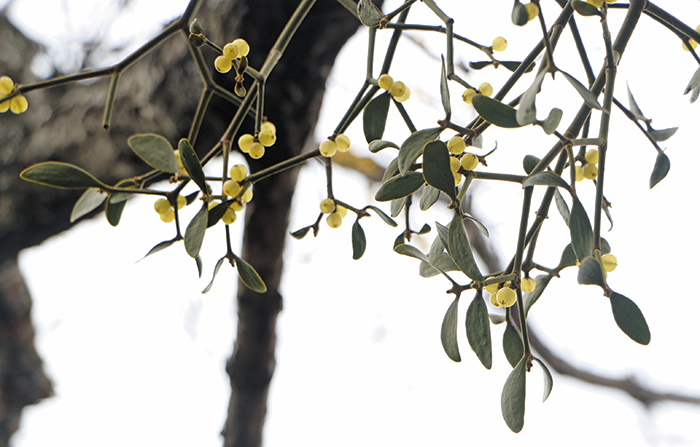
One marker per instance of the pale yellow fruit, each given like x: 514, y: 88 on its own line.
x: 328, y: 148
x: 247, y: 195
x: 454, y: 164
x: 590, y: 171
x: 267, y: 125
x: 506, y: 297
x: 19, y: 104
x: 181, y: 202
x: 486, y: 89
x: 579, y: 174
x: 468, y: 95
x: 229, y: 217
x: 168, y: 216
x: 243, y: 47
x: 398, y: 89
x: 405, y: 96
x: 327, y: 206
x: 162, y: 206
x: 5, y: 105
x: 499, y: 44
x: 469, y: 161
x: 245, y: 141
x: 596, y: 3
x: 6, y: 85
x: 231, y: 188
x: 458, y: 178
x: 237, y: 205
x: 222, y: 64
x: 609, y: 262
x: 532, y: 11
x: 527, y: 285
x: 257, y: 150
x: 334, y: 220
x: 340, y: 209
x: 238, y: 173
x: 180, y: 166
x: 385, y: 81
x: 494, y: 301
x: 267, y: 138
x: 492, y: 288
x: 342, y: 143
x: 592, y: 156
x: 456, y: 145
x: 230, y: 51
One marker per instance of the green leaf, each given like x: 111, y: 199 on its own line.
x: 514, y: 65
x: 495, y: 112
x: 425, y: 229
x: 383, y: 216
x: 661, y: 167
x: 550, y: 124
x: 374, y: 117
x: 630, y: 319
x: 634, y: 108
x: 397, y: 205
x: 194, y: 234
x: 530, y: 298
x: 444, y: 264
x: 155, y: 150
x: 448, y: 332
x: 546, y: 178
x: 519, y: 15
x: 249, y: 276
x: 436, y: 168
x: 412, y: 148
x: 216, y: 271
x: 436, y: 250
x: 662, y: 134
x: 568, y: 258
x: 377, y: 145
x: 562, y: 207
x: 479, y: 226
x: 479, y: 330
x: 391, y: 170
x: 693, y: 84
x: 216, y: 213
x: 580, y: 230
x: 198, y: 261
x: 410, y: 250
x: 585, y: 9
x: 527, y: 112
x: 444, y: 90
x: 359, y: 242
x: 586, y: 94
x: 591, y: 272
x: 299, y: 234
x: 61, y: 175
x: 548, y: 380
x: 399, y: 187
x: 513, y: 397
x: 428, y: 197
x: 529, y: 163
x: 88, y: 201
x: 113, y: 211
x: 158, y: 247
x: 192, y: 165
x: 460, y: 250
x: 512, y: 345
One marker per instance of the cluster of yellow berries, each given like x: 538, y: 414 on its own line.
x: 255, y: 146
x: 590, y: 169
x: 335, y: 212
x: 468, y: 161
x: 232, y: 188
x: 166, y: 211
x: 396, y: 89
x: 231, y: 51
x: 329, y: 147
x: 599, y: 3
x: 484, y: 89
x: 18, y: 104
x: 693, y: 43
x: 505, y: 296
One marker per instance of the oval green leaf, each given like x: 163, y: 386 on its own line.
x: 479, y: 330
x: 249, y: 276
x: 580, y: 230
x: 513, y: 397
x: 591, y: 272
x: 586, y: 94
x: 519, y: 14
x: 550, y: 124
x: 527, y: 111
x: 436, y: 168
x: 61, y: 175
x: 158, y: 247
x: 216, y: 271
x: 546, y: 178
x: 412, y: 148
x: 495, y: 112
x: 529, y: 163
x: 374, y: 117
x: 88, y: 201
x: 377, y: 145
x: 460, y: 250
x: 389, y: 221
x: 512, y: 345
x: 630, y: 319
x: 662, y: 134
x: 359, y: 242
x: 548, y: 380
x: 299, y: 234
x: 194, y: 233
x: 585, y: 9
x: 399, y: 186
x: 192, y: 165
x: 155, y: 150
x: 661, y: 168
x: 448, y: 332
x: 428, y: 197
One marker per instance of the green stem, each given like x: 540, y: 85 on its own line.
x: 109, y: 107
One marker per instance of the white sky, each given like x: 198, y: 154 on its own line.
x: 137, y: 354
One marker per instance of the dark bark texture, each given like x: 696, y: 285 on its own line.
x: 159, y: 94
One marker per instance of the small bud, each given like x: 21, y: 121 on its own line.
x: 196, y: 28
x: 196, y: 40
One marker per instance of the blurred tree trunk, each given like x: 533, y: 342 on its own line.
x: 159, y: 94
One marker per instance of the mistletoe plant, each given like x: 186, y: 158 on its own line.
x: 425, y: 165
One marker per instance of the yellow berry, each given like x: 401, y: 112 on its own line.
x: 590, y: 171
x: 340, y: 209
x: 458, y: 178
x: 247, y: 195
x: 506, y: 297
x: 456, y: 145
x: 468, y: 95
x: 238, y: 173
x: 327, y: 206
x: 18, y: 104
x: 385, y: 81
x: 328, y: 148
x: 181, y: 202
x: 334, y: 220
x: 527, y: 284
x: 162, y: 206
x: 6, y: 85
x: 398, y: 89
x: 405, y: 96
x: 342, y: 143
x: 5, y: 105
x: 243, y: 47
x: 494, y: 301
x: 231, y: 188
x: 454, y: 164
x: 257, y: 150
x: 469, y: 161
x: 592, y: 156
x: 499, y: 44
x: 693, y: 44
x: 267, y: 125
x: 609, y: 262
x: 212, y: 204
x: 532, y: 11
x: 492, y: 288
x: 486, y: 89
x: 579, y: 174
x: 168, y: 216
x: 596, y: 3
x: 230, y: 51
x: 237, y: 205
x: 222, y: 64
x: 267, y: 138
x: 229, y: 216
x: 245, y: 141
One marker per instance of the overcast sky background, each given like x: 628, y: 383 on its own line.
x: 137, y: 354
